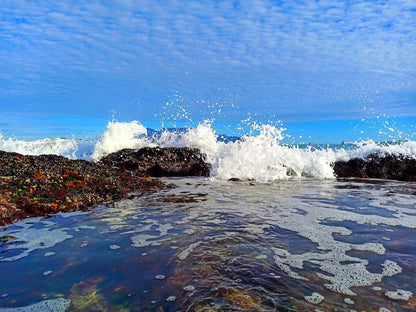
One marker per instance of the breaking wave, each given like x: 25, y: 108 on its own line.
x: 260, y: 156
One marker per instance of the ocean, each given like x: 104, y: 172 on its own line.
x: 286, y: 236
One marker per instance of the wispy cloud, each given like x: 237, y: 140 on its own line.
x: 292, y: 56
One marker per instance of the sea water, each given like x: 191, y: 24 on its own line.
x: 210, y: 245
x: 287, y: 237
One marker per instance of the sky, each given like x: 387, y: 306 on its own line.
x: 75, y: 65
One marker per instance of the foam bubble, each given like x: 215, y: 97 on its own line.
x: 315, y: 298
x: 143, y: 240
x: 189, y: 288
x: 170, y: 298
x: 185, y: 253
x: 53, y: 305
x: 399, y: 294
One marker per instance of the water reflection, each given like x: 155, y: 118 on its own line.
x: 223, y: 246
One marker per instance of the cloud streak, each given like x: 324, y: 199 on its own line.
x: 292, y: 56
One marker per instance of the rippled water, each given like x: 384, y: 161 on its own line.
x: 209, y: 245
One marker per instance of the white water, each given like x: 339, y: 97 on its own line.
x: 121, y: 135
x: 259, y: 156
x: 58, y: 146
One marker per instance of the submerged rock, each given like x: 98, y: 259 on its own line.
x: 379, y: 167
x: 85, y: 296
x: 160, y: 162
x: 40, y: 185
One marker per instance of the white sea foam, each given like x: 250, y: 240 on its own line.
x: 143, y: 240
x: 316, y: 219
x: 53, y: 305
x: 189, y: 288
x: 29, y: 239
x: 399, y: 294
x: 186, y: 252
x: 58, y: 146
x: 121, y: 135
x: 315, y: 298
x: 260, y: 155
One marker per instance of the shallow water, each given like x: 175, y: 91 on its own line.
x: 210, y: 245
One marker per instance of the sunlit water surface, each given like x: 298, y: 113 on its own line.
x: 209, y: 245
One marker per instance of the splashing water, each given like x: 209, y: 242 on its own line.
x: 64, y: 147
x: 259, y: 155
x: 121, y: 135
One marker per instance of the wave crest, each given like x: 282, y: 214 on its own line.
x: 260, y: 156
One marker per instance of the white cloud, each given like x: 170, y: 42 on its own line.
x: 300, y: 44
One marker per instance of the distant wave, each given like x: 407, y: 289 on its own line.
x: 70, y: 148
x: 261, y: 157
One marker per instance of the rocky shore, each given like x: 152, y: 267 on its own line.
x: 33, y: 186
x: 40, y: 185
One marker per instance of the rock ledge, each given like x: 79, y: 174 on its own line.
x: 374, y: 166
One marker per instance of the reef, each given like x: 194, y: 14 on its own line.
x: 388, y: 166
x: 160, y: 162
x: 32, y: 186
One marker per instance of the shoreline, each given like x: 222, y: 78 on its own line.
x: 32, y: 186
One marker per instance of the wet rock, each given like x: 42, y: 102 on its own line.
x: 388, y: 166
x: 86, y: 297
x: 158, y: 162
x: 235, y: 180
x: 40, y: 185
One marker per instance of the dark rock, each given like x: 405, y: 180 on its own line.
x: 234, y: 180
x: 160, y: 162
x: 378, y: 167
x: 39, y: 185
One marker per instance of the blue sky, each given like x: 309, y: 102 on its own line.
x: 301, y: 62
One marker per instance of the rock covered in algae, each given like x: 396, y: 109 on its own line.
x: 85, y: 297
x: 33, y: 186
